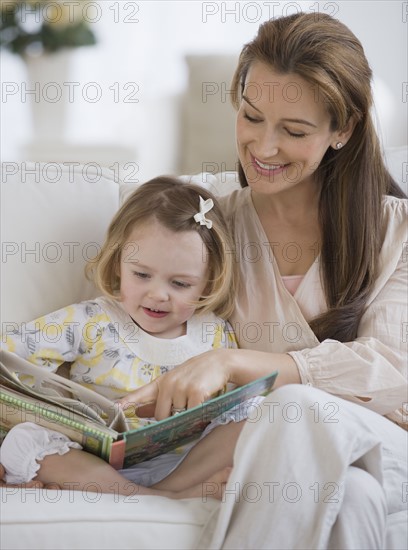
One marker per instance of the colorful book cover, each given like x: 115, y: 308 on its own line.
x: 166, y: 435
x: 16, y: 408
x: 97, y: 432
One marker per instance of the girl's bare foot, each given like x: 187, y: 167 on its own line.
x: 29, y: 485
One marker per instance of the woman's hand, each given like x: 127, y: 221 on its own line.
x: 201, y: 377
x: 184, y: 387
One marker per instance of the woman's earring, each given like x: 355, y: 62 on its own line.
x: 339, y: 145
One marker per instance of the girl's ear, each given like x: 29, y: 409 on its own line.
x: 341, y: 137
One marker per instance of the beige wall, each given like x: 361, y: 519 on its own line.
x: 151, y: 54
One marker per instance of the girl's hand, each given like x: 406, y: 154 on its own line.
x: 184, y: 387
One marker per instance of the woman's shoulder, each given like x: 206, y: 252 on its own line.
x: 233, y: 204
x: 395, y: 204
x: 395, y: 229
x: 395, y: 214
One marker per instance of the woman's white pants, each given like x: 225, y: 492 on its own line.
x: 314, y: 471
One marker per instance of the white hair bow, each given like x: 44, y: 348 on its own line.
x: 205, y: 206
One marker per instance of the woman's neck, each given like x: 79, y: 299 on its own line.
x: 291, y: 220
x: 296, y: 206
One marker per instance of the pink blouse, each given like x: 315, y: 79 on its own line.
x: 292, y: 282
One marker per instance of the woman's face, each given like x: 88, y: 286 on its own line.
x: 282, y: 129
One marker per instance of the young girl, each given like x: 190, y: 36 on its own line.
x: 166, y: 271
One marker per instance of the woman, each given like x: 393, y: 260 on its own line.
x: 320, y: 229
x: 318, y: 209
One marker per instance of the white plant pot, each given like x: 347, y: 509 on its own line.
x: 48, y: 93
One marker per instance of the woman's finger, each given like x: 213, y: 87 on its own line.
x: 165, y: 403
x: 143, y: 396
x: 146, y: 411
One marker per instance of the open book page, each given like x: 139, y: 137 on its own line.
x: 16, y: 408
x: 97, y: 423
x: 52, y: 388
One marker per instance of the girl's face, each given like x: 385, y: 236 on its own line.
x: 282, y: 129
x: 161, y: 274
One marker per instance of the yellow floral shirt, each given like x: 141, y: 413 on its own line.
x: 106, y: 350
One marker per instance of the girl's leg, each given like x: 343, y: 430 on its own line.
x: 31, y: 456
x: 78, y: 470
x: 212, y: 453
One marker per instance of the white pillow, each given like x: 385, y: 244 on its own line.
x: 53, y: 218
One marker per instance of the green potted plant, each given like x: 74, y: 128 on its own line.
x: 43, y: 26
x: 44, y: 34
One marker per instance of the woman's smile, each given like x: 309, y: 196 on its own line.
x: 268, y: 169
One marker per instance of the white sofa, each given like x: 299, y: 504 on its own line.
x: 53, y: 218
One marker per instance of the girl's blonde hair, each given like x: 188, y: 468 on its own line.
x: 173, y: 204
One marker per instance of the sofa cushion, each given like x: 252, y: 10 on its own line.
x: 53, y: 218
x: 73, y: 519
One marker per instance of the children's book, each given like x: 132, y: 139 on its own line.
x: 29, y: 393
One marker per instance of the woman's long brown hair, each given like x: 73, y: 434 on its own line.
x: 353, y: 180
